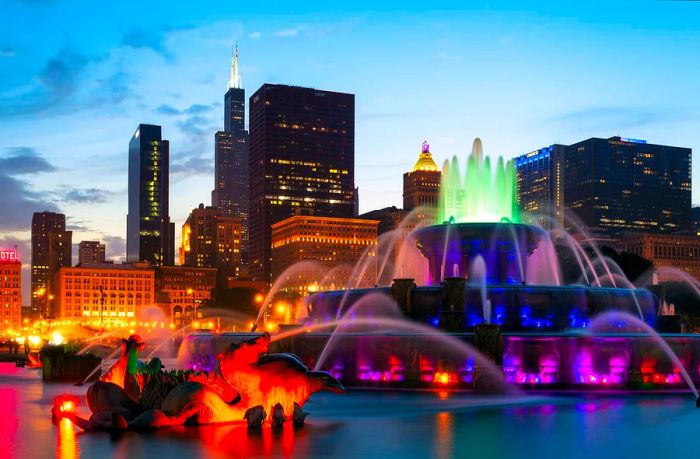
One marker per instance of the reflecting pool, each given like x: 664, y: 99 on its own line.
x: 376, y: 424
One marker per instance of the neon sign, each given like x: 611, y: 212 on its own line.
x: 8, y: 255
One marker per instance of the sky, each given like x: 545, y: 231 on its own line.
x: 77, y: 77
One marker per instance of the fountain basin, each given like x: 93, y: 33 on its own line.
x: 504, y: 247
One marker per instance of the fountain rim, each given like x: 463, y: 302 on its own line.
x: 494, y: 287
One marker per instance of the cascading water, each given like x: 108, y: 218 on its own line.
x: 480, y: 194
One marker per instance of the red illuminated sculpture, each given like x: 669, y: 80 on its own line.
x: 249, y: 384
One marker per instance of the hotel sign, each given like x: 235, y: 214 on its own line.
x: 8, y: 256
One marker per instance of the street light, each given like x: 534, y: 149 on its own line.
x: 190, y: 291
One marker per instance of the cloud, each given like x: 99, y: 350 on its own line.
x: 23, y: 160
x: 194, y: 109
x: 62, y: 72
x: 615, y: 118
x: 195, y: 125
x: 19, y: 200
x: 168, y: 110
x: 193, y: 166
x: 85, y: 195
x: 67, y: 82
x: 289, y: 32
x: 153, y: 39
x: 254, y: 35
x: 7, y: 52
x: 115, y: 247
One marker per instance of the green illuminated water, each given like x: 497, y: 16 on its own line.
x: 484, y: 193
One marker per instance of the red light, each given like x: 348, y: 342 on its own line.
x: 65, y: 403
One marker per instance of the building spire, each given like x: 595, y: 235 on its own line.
x: 235, y: 81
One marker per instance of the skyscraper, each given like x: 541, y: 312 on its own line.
x: 230, y: 194
x: 149, y: 233
x: 51, y: 249
x: 612, y: 185
x: 302, y: 161
x: 91, y: 252
x: 421, y: 186
x: 210, y: 240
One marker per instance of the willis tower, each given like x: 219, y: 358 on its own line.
x: 230, y: 194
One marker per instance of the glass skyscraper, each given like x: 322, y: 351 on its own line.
x: 149, y: 233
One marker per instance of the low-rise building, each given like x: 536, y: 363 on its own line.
x: 666, y: 250
x: 10, y: 290
x: 104, y: 291
x: 332, y: 243
x: 182, y: 290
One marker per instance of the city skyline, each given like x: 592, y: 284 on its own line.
x: 504, y: 75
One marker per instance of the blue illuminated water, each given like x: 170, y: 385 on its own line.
x: 379, y: 424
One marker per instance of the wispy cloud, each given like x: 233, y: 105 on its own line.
x: 289, y: 32
x: 84, y: 195
x: 152, y: 38
x: 7, y: 52
x: 254, y: 35
x: 19, y: 199
x: 605, y: 118
x: 194, y: 109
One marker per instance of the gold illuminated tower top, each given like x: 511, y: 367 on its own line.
x: 425, y: 160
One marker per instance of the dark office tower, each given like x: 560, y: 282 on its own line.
x: 90, y: 252
x: 149, y: 233
x: 51, y: 249
x: 613, y: 185
x: 230, y: 193
x: 302, y: 152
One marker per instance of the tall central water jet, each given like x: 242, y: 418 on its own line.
x: 484, y: 193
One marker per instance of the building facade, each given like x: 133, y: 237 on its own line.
x: 106, y: 292
x: 230, y: 194
x: 302, y: 156
x: 149, y: 234
x: 612, y: 186
x: 182, y: 290
x: 666, y: 250
x: 211, y: 240
x: 330, y: 242
x: 91, y: 252
x: 10, y: 290
x: 421, y: 186
x: 539, y: 184
x: 51, y: 249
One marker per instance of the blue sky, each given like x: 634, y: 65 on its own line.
x: 77, y: 77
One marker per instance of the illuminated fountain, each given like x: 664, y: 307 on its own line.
x: 493, y: 283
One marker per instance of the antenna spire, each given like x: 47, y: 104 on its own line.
x: 235, y: 81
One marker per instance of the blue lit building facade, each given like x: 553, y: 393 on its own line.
x: 613, y: 185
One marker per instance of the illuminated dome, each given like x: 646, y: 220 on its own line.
x: 425, y: 160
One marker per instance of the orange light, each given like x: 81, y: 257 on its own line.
x: 67, y: 406
x: 259, y: 298
x: 443, y: 378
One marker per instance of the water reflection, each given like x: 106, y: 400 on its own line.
x: 444, y: 437
x: 66, y: 441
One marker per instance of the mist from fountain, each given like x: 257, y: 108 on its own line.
x: 436, y: 340
x: 297, y: 269
x: 371, y: 305
x: 617, y: 322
